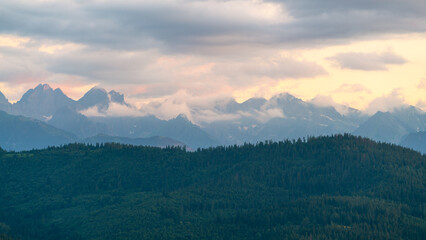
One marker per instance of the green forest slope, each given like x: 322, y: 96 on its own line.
x: 338, y: 187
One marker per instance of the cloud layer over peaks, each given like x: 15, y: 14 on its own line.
x: 185, y: 25
x: 155, y: 49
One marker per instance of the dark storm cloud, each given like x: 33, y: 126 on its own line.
x: 184, y: 26
x: 328, y: 21
x: 313, y: 7
x: 173, y: 25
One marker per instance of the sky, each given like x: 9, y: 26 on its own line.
x: 368, y: 54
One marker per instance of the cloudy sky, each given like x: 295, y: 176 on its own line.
x: 368, y: 54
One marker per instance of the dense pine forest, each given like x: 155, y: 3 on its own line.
x: 336, y: 187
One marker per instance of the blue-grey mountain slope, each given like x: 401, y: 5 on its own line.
x: 303, y: 119
x: 100, y: 98
x: 226, y: 122
x: 282, y: 117
x: 416, y: 141
x: 22, y: 133
x: 384, y: 127
x: 178, y: 128
x: 76, y: 123
x: 411, y: 116
x: 4, y: 103
x: 393, y: 126
x: 42, y: 102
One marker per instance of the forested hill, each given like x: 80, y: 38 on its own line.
x: 338, y: 187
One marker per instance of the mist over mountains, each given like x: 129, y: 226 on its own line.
x: 224, y: 122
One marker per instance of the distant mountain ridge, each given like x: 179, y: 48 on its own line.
x: 179, y: 128
x: 22, y: 133
x: 100, y: 98
x: 226, y: 122
x: 19, y: 133
x: 383, y: 126
x: 4, y: 103
x: 75, y: 122
x: 43, y: 102
x: 416, y: 141
x: 393, y: 126
x: 283, y: 116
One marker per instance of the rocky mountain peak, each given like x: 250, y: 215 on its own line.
x: 182, y: 117
x: 43, y: 87
x: 3, y: 99
x: 116, y: 97
x: 100, y: 98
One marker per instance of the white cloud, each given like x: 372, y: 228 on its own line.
x: 170, y: 107
x: 328, y: 101
x: 421, y: 105
x: 201, y: 110
x: 422, y: 83
x: 386, y: 103
x: 268, y: 113
x: 204, y: 47
x: 351, y: 88
x: 208, y: 115
x: 114, y: 110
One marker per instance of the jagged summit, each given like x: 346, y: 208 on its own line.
x: 255, y: 100
x: 285, y: 97
x: 117, y: 97
x: 43, y: 87
x: 41, y: 102
x: 3, y: 99
x: 46, y: 88
x: 253, y: 104
x: 4, y: 103
x: 100, y: 98
x: 227, y: 105
x: 383, y: 126
x: 182, y: 117
x: 43, y: 92
x: 285, y: 101
x: 408, y: 110
x: 97, y: 89
x: 38, y: 90
x: 94, y: 97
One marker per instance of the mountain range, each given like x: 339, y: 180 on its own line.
x: 225, y: 122
x: 22, y: 133
x: 43, y: 102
